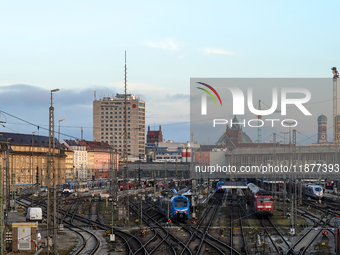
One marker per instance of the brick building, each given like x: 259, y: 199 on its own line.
x: 154, y: 136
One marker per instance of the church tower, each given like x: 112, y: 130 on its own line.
x: 322, y: 129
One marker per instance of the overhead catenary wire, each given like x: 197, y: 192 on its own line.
x: 36, y: 125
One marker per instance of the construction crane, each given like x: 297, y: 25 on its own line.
x: 335, y: 105
x: 259, y: 117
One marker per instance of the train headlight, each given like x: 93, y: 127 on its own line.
x: 176, y: 211
x: 185, y: 211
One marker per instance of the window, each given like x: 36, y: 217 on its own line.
x: 180, y: 202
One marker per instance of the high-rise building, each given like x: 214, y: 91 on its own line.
x: 108, y: 124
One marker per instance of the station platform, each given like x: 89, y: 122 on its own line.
x: 329, y: 196
x: 234, y: 185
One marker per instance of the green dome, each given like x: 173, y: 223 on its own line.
x: 322, y: 118
x: 244, y: 138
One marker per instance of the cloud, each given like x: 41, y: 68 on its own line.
x: 217, y: 51
x: 32, y: 103
x: 168, y: 44
x: 179, y: 97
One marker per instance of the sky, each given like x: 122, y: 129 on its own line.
x: 79, y: 47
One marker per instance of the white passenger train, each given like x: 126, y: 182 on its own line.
x: 312, y: 190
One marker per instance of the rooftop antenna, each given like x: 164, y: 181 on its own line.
x: 82, y: 132
x: 95, y: 96
x: 335, y: 105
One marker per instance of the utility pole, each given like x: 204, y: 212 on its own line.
x: 125, y: 155
x: 166, y: 176
x: 3, y: 183
x: 2, y: 220
x: 51, y: 154
x: 335, y: 105
x: 154, y: 184
x: 113, y: 186
x: 4, y: 192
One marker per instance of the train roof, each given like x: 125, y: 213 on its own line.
x: 174, y: 197
x: 312, y: 185
x: 188, y: 193
x: 257, y: 191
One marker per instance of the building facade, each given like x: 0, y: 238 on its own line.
x: 109, y: 122
x: 154, y: 136
x: 28, y: 160
x: 79, y: 159
x: 69, y: 164
x: 101, y: 152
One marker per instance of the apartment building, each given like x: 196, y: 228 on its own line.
x: 109, y: 122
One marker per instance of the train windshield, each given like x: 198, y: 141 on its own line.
x: 264, y: 199
x: 180, y: 202
x: 317, y: 189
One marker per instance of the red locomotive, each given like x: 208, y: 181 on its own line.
x: 259, y: 200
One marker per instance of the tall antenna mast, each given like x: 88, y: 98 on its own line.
x: 335, y: 105
x: 125, y: 156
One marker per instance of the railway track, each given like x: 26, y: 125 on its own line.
x: 160, y: 232
x: 201, y: 231
x: 90, y: 243
x: 237, y: 237
x: 129, y: 241
x: 271, y: 230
